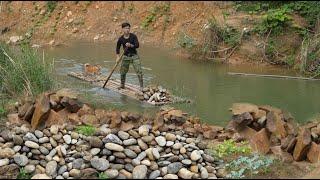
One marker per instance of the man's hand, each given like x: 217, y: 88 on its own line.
x: 118, y: 58
x: 129, y: 45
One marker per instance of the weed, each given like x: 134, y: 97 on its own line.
x: 131, y: 8
x: 87, y: 130
x: 23, y: 174
x: 154, y: 13
x: 51, y: 5
x: 102, y: 175
x: 185, y: 41
x: 229, y: 147
x: 251, y: 165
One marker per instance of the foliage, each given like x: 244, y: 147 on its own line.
x: 248, y: 165
x: 87, y: 130
x: 131, y: 8
x: 23, y: 174
x: 275, y: 20
x: 229, y: 147
x: 154, y: 13
x: 51, y: 5
x: 24, y: 71
x: 102, y: 175
x: 310, y: 56
x: 185, y: 41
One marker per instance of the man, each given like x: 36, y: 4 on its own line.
x: 130, y: 43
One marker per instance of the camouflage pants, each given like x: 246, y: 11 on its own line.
x: 135, y: 60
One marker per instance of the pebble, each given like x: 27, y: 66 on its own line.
x: 30, y: 137
x: 144, y: 130
x: 4, y: 162
x: 31, y: 144
x: 130, y: 153
x: 100, y: 164
x: 161, y: 140
x: 111, y: 138
x: 112, y: 173
x: 139, y: 172
x: 174, y: 168
x: 114, y: 147
x: 129, y: 142
x: 38, y: 133
x: 17, y: 148
x: 21, y: 160
x: 186, y: 161
x: 30, y: 168
x: 123, y: 135
x: 67, y: 139
x: 75, y: 173
x: 154, y: 174
x: 44, y: 140
x: 95, y: 151
x: 51, y: 168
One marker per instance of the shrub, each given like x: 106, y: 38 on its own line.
x: 86, y: 130
x: 229, y: 147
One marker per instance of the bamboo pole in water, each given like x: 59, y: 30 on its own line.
x: 273, y: 76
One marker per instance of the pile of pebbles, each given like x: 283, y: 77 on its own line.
x: 155, y: 94
x: 61, y: 152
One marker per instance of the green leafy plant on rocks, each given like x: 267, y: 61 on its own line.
x: 23, y: 174
x: 103, y: 175
x: 248, y: 166
x: 154, y: 13
x: 87, y: 130
x: 229, y: 147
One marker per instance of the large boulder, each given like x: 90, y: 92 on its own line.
x: 54, y: 118
x: 42, y: 110
x: 314, y: 153
x: 275, y: 125
x: 303, y: 144
x: 260, y: 142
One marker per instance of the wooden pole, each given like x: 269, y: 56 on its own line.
x: 114, y: 67
x: 273, y: 76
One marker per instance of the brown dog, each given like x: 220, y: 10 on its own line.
x: 91, y: 69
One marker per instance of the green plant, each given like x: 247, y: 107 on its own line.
x: 23, y: 71
x: 87, y: 130
x: 248, y: 165
x: 155, y: 12
x: 229, y: 147
x: 23, y: 174
x: 102, y: 175
x: 185, y: 41
x: 131, y: 8
x: 51, y: 5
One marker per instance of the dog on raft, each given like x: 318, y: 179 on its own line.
x: 91, y: 69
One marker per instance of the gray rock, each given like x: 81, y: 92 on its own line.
x: 30, y: 137
x: 154, y: 174
x: 129, y: 167
x: 195, y: 155
x: 100, y: 164
x: 114, y: 147
x: 204, y: 173
x: 169, y: 143
x: 161, y: 140
x: 112, y: 173
x: 111, y: 158
x: 67, y: 139
x: 139, y: 172
x: 17, y: 148
x: 131, y: 154
x: 44, y: 150
x: 155, y: 153
x: 17, y: 140
x: 76, y: 164
x: 144, y: 130
x: 141, y: 156
x: 21, y: 160
x: 177, y: 146
x: 106, y: 152
x: 65, y: 175
x: 44, y: 140
x: 95, y: 151
x: 164, y: 163
x: 174, y: 168
x: 30, y: 168
x: 95, y: 142
x: 123, y: 135
x: 208, y: 158
x: 111, y: 138
x: 62, y: 169
x: 186, y: 161
x: 51, y: 168
x: 38, y: 133
x: 31, y: 144
x: 170, y: 176
x: 129, y: 142
x: 4, y: 162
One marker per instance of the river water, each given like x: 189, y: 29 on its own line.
x: 206, y: 83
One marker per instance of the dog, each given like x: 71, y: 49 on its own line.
x: 91, y: 69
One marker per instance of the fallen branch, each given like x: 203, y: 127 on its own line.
x: 274, y: 76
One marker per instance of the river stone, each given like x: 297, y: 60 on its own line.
x: 123, y: 135
x: 94, y: 151
x: 65, y: 175
x: 131, y: 154
x: 185, y: 173
x: 51, y: 168
x: 134, y: 133
x: 6, y: 153
x: 40, y: 176
x: 30, y: 168
x: 62, y: 169
x: 141, y: 156
x: 54, y: 129
x: 186, y: 161
x: 144, y: 130
x: 170, y: 137
x: 129, y: 142
x: 114, y: 147
x: 177, y: 146
x: 44, y: 140
x: 169, y: 143
x: 76, y: 164
x: 21, y: 160
x: 112, y: 173
x: 164, y: 171
x: 155, y: 153
x: 154, y: 174
x: 146, y: 162
x: 142, y: 144
x: 164, y: 163
x: 161, y: 140
x: 53, y: 142
x: 30, y: 137
x: 44, y: 150
x: 100, y: 164
x: 204, y: 173
x: 31, y: 144
x: 129, y: 167
x: 4, y: 162
x: 111, y: 138
x: 208, y: 158
x: 76, y: 173
x: 139, y: 172
x: 174, y: 168
x: 195, y: 155
x: 17, y: 140
x: 17, y: 148
x: 67, y: 139
x: 38, y: 133
x: 95, y: 142
x: 170, y: 176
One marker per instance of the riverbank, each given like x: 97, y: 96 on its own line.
x: 58, y: 136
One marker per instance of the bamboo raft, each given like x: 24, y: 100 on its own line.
x: 130, y: 90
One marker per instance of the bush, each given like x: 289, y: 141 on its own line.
x: 185, y: 41
x: 86, y: 130
x: 51, y: 5
x: 23, y: 174
x: 229, y: 147
x: 24, y: 72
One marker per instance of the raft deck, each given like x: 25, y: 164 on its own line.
x: 130, y: 90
